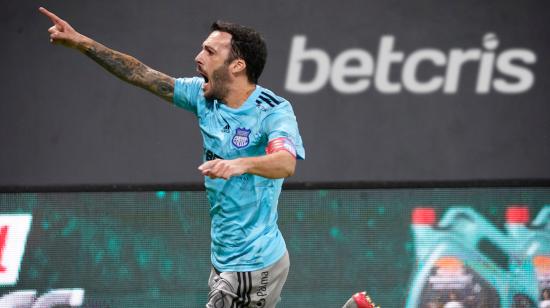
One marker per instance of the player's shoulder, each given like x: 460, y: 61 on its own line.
x: 189, y: 83
x: 270, y: 102
x: 190, y: 91
x: 188, y: 88
x: 195, y: 80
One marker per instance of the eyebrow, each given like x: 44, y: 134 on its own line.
x: 209, y: 48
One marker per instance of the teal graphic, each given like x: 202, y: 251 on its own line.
x: 463, y: 260
x: 152, y: 249
x: 534, y: 252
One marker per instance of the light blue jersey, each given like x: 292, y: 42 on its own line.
x: 243, y: 209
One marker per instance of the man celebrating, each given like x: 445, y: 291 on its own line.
x: 251, y: 143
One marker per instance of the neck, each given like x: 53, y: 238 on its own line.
x: 239, y: 93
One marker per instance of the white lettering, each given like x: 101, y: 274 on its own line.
x: 490, y: 42
x: 506, y: 66
x: 356, y: 70
x: 27, y: 298
x: 457, y: 58
x: 342, y: 70
x: 411, y: 67
x: 386, y: 56
x: 298, y: 54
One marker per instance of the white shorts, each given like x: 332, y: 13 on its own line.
x: 261, y: 288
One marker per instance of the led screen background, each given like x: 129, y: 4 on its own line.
x: 65, y: 121
x: 151, y: 249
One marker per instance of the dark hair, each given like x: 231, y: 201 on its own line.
x: 247, y: 44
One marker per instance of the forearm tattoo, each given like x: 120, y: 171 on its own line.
x: 132, y: 70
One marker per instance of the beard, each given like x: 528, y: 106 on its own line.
x: 218, y: 84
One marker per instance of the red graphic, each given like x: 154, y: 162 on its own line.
x: 3, y: 237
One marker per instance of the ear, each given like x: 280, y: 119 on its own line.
x: 238, y: 66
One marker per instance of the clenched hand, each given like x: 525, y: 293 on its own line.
x: 222, y: 168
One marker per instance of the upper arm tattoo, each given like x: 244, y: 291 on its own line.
x: 132, y: 70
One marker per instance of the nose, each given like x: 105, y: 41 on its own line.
x: 198, y: 58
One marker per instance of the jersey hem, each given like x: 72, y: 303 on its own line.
x: 247, y: 268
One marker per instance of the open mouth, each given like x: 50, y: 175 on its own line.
x: 205, y: 84
x: 203, y: 75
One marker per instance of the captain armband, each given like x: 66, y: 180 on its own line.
x: 281, y: 144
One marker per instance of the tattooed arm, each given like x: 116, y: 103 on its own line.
x: 121, y: 65
x: 130, y: 69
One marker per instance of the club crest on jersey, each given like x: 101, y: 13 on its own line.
x: 241, y: 140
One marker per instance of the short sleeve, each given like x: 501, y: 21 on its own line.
x: 187, y: 93
x: 282, y: 123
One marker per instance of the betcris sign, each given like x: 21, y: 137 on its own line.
x: 357, y: 70
x: 14, y: 230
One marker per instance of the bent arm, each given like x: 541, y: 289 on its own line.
x: 274, y: 166
x: 119, y: 64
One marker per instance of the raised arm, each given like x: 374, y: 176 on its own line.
x: 119, y: 64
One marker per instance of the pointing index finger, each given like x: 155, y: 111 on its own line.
x: 56, y: 20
